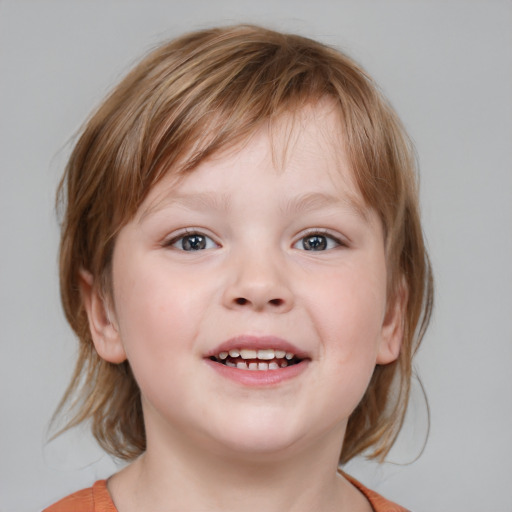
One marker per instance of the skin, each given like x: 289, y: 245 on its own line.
x: 214, y: 443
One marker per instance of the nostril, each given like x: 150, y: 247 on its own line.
x: 241, y: 301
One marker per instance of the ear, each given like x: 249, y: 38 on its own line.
x: 393, y: 327
x: 102, y: 323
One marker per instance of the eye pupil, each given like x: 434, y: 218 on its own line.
x: 314, y: 243
x: 193, y: 243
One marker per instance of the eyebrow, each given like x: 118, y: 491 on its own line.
x: 316, y: 200
x: 197, y: 201
x: 302, y: 203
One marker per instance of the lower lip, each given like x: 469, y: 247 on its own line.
x: 259, y: 378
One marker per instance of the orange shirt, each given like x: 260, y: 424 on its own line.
x: 97, y: 499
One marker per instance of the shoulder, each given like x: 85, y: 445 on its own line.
x: 93, y: 499
x: 378, y: 502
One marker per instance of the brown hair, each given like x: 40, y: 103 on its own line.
x: 183, y: 102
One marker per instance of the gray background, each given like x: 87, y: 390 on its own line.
x: 447, y: 67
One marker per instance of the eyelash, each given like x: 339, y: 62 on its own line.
x: 207, y: 240
x: 320, y: 233
x: 188, y: 234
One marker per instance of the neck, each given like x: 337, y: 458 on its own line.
x: 178, y: 475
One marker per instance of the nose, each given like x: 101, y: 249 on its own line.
x: 257, y: 282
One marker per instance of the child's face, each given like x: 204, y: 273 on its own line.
x: 241, y: 255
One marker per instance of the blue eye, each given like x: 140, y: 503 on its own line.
x: 193, y: 242
x: 317, y: 242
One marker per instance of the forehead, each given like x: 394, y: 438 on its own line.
x: 304, y: 148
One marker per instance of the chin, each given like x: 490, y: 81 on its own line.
x: 258, y: 437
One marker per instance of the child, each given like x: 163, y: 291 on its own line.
x: 243, y: 263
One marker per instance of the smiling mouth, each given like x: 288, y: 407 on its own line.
x: 256, y: 360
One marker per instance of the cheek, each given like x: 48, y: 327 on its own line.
x: 149, y: 295
x: 157, y: 335
x: 348, y: 321
x: 350, y: 315
x: 156, y: 316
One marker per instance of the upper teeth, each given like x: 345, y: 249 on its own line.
x: 266, y: 354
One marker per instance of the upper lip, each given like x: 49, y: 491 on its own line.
x: 257, y: 342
